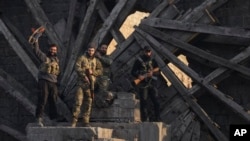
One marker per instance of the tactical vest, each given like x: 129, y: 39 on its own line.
x: 146, y: 66
x: 50, y: 66
x: 89, y: 63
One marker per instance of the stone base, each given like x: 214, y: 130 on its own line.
x: 125, y: 108
x: 146, y: 131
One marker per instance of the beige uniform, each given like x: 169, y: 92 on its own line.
x: 84, y: 87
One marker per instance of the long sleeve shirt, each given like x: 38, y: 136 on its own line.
x: 44, y: 58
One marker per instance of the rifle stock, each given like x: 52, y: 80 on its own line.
x: 138, y: 81
x: 91, y: 83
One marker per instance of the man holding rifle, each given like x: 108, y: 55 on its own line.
x: 47, y: 77
x: 88, y: 67
x: 143, y: 70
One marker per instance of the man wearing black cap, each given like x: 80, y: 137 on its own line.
x: 143, y: 70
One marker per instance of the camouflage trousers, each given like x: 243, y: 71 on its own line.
x: 103, y: 83
x: 104, y: 97
x: 83, y: 98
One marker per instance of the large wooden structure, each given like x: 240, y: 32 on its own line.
x: 170, y: 31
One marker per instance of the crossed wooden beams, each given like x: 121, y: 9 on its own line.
x: 67, y: 45
x: 164, y: 46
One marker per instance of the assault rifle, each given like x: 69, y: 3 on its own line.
x: 36, y: 34
x: 91, y: 83
x: 137, y: 80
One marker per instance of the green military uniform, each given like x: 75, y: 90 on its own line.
x: 84, y: 87
x: 104, y: 97
x: 104, y: 80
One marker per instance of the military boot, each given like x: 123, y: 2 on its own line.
x: 74, y: 121
x: 85, y: 122
x: 40, y: 122
x: 86, y: 125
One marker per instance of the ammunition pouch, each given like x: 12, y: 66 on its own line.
x: 51, y: 67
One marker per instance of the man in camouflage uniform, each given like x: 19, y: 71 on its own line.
x: 47, y: 81
x: 104, y: 98
x: 143, y: 70
x: 88, y: 67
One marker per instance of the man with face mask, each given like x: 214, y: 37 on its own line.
x: 143, y: 70
x: 47, y: 81
x: 88, y: 67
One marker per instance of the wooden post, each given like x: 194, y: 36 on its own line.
x: 19, y: 50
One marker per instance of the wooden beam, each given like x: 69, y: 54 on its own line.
x: 194, y: 27
x: 188, y: 133
x: 181, y: 126
x: 109, y: 22
x: 196, y: 132
x: 222, y: 70
x: 20, y: 93
x: 7, y: 83
x: 197, y: 14
x: 184, y: 93
x: 103, y: 12
x: 11, y: 131
x: 161, y: 7
x: 221, y: 96
x: 20, y: 38
x: 70, y: 20
x: 218, y: 39
x: 40, y: 16
x: 19, y: 50
x: 83, y: 32
x: 196, y: 51
x: 123, y: 64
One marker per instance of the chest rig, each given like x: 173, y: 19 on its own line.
x: 51, y: 66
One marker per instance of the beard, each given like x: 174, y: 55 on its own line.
x: 103, y: 53
x: 50, y: 54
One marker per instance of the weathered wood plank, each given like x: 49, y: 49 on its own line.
x: 103, y: 12
x: 196, y: 133
x: 218, y: 39
x: 171, y: 57
x: 188, y: 133
x: 110, y: 21
x: 180, y: 129
x: 233, y: 105
x: 19, y: 93
x: 125, y: 57
x: 173, y: 110
x: 70, y: 20
x: 122, y: 47
x: 184, y: 93
x: 179, y: 120
x: 8, y: 84
x: 40, y: 16
x: 20, y: 38
x: 195, y: 15
x: 199, y: 11
x: 169, y: 15
x: 239, y: 58
x: 159, y: 9
x: 196, y: 51
x: 172, y: 12
x: 83, y: 32
x: 194, y: 27
x: 11, y: 131
x: 19, y: 50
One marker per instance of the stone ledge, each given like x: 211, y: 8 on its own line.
x: 145, y: 131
